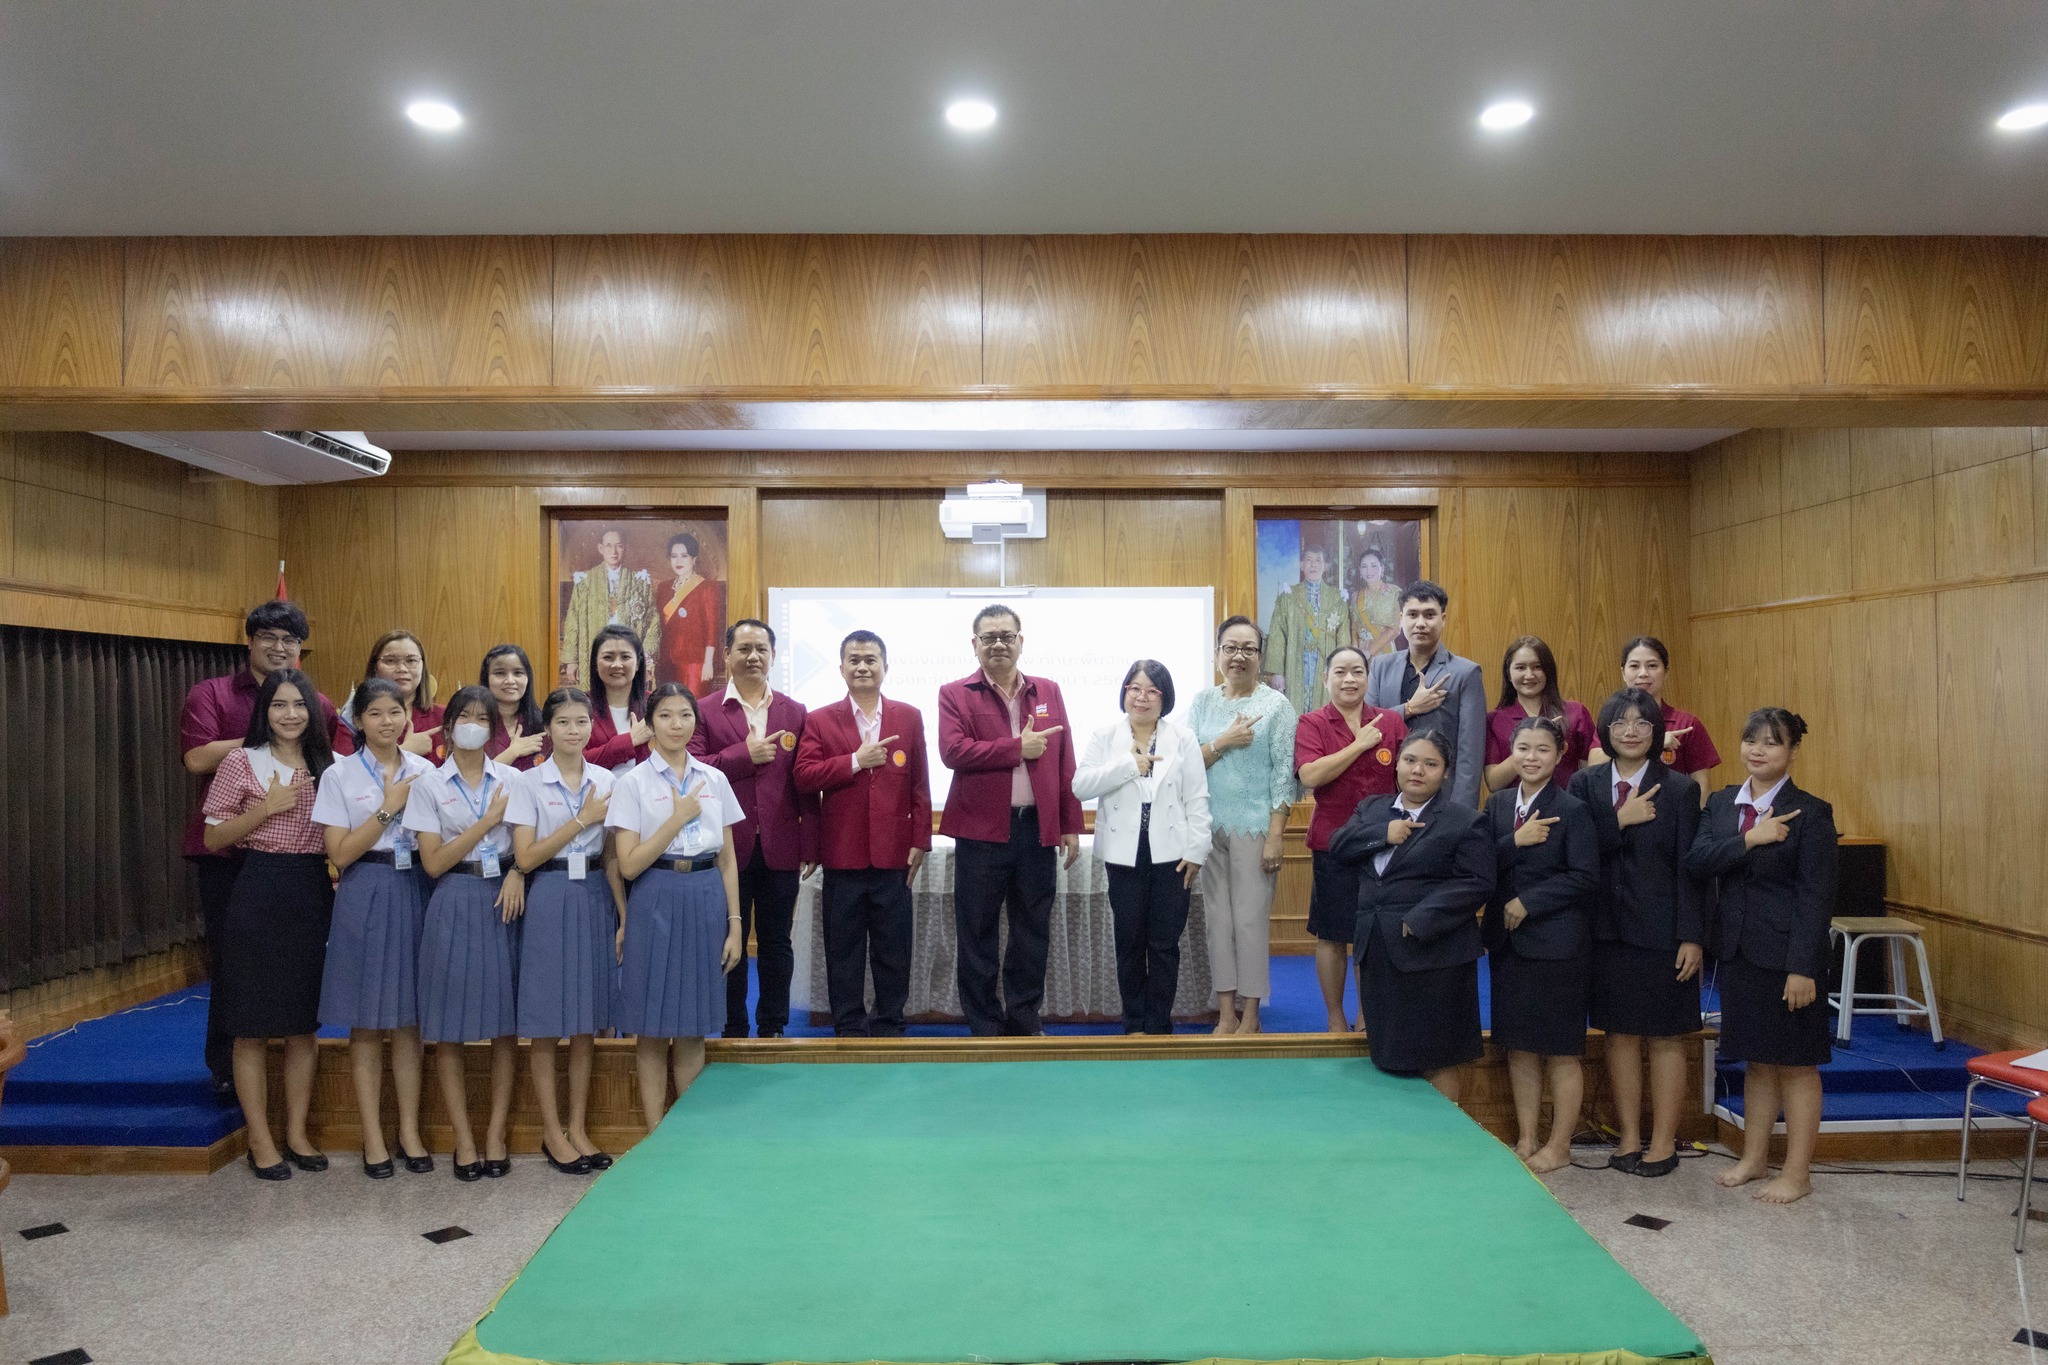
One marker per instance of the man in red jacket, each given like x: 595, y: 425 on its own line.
x: 1004, y: 735
x: 866, y: 755
x: 749, y: 732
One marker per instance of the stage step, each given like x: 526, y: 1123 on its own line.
x: 117, y: 1125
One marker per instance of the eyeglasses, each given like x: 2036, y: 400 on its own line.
x: 1631, y: 727
x: 1139, y: 693
x: 272, y: 637
x: 1239, y: 651
x: 999, y: 637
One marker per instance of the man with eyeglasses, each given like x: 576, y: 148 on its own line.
x: 214, y: 724
x: 1004, y: 735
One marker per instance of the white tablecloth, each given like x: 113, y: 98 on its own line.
x: 1080, y: 969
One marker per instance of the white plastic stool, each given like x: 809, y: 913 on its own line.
x: 1848, y: 1002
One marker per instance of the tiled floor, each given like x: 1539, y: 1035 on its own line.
x: 333, y: 1269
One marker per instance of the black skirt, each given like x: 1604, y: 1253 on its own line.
x: 1417, y: 1022
x: 1636, y: 991
x: 1539, y: 1004
x: 1756, y: 1026
x: 1332, y: 898
x: 266, y: 981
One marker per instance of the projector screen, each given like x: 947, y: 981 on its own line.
x: 1081, y: 638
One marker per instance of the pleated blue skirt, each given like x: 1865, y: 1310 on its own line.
x: 469, y: 963
x: 568, y: 972
x: 373, y: 949
x: 671, y: 984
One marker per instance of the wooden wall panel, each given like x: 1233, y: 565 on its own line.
x: 768, y: 312
x: 1816, y: 543
x: 338, y: 312
x: 1210, y: 311
x: 1962, y: 447
x: 1891, y: 538
x: 460, y: 585
x: 1815, y: 465
x: 1636, y: 576
x: 1881, y: 457
x: 60, y: 312
x: 1984, y: 519
x: 1615, y: 310
x: 1937, y: 310
x: 344, y: 566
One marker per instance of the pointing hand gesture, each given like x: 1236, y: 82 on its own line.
x: 1427, y: 698
x: 1769, y: 828
x: 1035, y: 740
x: 1535, y: 831
x: 1399, y: 830
x: 282, y: 794
x: 1639, y: 809
x: 1235, y: 735
x: 761, y: 748
x: 875, y: 753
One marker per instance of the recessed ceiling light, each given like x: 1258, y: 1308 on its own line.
x: 971, y: 116
x: 2024, y: 119
x: 1507, y: 114
x: 434, y: 115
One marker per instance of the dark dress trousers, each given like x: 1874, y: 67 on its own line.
x: 1542, y: 970
x: 1645, y: 907
x: 1771, y: 904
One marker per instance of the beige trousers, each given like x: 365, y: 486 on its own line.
x: 1237, y: 899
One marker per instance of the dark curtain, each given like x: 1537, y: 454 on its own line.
x: 95, y: 794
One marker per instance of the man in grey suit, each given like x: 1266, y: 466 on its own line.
x: 1434, y: 689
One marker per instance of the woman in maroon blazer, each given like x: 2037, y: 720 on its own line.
x: 866, y: 756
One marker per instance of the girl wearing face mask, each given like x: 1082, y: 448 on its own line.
x: 568, y: 943
x: 400, y: 658
x: 516, y: 731
x: 1425, y: 869
x: 1528, y: 687
x: 371, y: 983
x: 470, y: 948
x: 618, y: 730
x: 1768, y: 849
x: 671, y: 829
x: 1343, y: 753
x: 1539, y: 939
x: 1647, y: 926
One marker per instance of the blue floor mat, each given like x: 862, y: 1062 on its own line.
x: 133, y: 1079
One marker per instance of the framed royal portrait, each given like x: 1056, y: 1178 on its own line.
x: 662, y: 574
x: 1325, y: 581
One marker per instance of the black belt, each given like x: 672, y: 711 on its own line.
x: 471, y: 867
x: 1023, y: 812
x: 703, y: 864
x: 380, y: 857
x: 553, y: 865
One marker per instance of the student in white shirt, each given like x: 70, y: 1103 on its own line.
x: 568, y: 942
x: 469, y: 951
x: 371, y: 983
x: 671, y: 829
x: 1151, y: 789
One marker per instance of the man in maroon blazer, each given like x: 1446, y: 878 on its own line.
x: 866, y: 755
x: 1004, y: 735
x: 749, y: 732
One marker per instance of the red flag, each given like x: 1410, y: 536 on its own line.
x: 281, y: 593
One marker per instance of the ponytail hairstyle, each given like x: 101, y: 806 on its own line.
x: 367, y: 691
x: 1786, y: 727
x: 314, y: 744
x: 1553, y: 699
x: 561, y: 697
x: 1618, y: 705
x: 672, y: 689
x: 1433, y: 739
x: 529, y: 714
x: 1547, y: 724
x: 636, y: 691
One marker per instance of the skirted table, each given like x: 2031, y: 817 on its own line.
x: 1080, y: 969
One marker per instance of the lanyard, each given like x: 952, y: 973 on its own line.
x: 582, y: 793
x: 476, y: 807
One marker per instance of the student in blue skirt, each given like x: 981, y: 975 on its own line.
x: 469, y: 956
x: 671, y: 828
x: 371, y: 983
x: 568, y: 960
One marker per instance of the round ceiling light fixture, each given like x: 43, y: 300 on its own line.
x: 1507, y: 114
x: 436, y: 116
x: 971, y: 115
x: 2025, y: 119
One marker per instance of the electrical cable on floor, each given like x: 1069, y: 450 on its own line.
x: 132, y: 1009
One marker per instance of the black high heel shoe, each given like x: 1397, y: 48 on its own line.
x: 316, y: 1161
x: 468, y: 1173
x: 278, y: 1172
x: 499, y: 1168
x: 580, y: 1166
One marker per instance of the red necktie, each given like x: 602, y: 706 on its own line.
x: 1748, y: 820
x: 1522, y: 816
x: 1620, y: 795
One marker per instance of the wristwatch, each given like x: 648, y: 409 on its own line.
x: 385, y: 817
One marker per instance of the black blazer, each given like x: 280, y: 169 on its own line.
x: 1646, y: 899
x: 1774, y: 901
x: 1436, y: 883
x: 1556, y: 879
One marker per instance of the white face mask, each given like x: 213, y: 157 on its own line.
x: 470, y: 735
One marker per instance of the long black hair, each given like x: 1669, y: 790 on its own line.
x: 1552, y: 703
x: 314, y: 743
x: 636, y: 693
x: 529, y: 714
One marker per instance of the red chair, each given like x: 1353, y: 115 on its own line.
x: 1994, y: 1069
x: 2037, y: 1116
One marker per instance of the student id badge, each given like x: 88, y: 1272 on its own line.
x: 401, y: 856
x: 579, y: 866
x: 487, y: 861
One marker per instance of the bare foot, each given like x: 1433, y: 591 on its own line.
x: 1526, y: 1148
x: 1337, y: 1025
x: 1225, y: 1025
x: 1741, y: 1173
x: 1248, y: 1023
x: 1784, y: 1190
x: 1546, y: 1160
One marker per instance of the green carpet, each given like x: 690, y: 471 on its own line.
x: 1068, y: 1211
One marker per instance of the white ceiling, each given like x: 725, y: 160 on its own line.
x: 1804, y: 116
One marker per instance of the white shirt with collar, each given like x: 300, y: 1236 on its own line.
x: 1615, y: 781
x: 1768, y: 801
x: 442, y: 803
x: 870, y: 733
x: 352, y: 789
x: 756, y: 714
x: 1401, y: 812
x: 1523, y: 804
x: 644, y: 798
x: 543, y: 802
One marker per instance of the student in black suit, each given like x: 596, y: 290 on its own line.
x: 1425, y: 866
x: 1768, y: 850
x: 1539, y: 938
x: 1647, y: 925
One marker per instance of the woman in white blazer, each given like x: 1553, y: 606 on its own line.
x: 1151, y: 789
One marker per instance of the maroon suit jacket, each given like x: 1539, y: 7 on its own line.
x: 608, y: 748
x: 976, y: 743
x: 782, y: 820
x: 872, y: 817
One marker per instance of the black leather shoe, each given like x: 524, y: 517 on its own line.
x: 599, y: 1161
x: 580, y: 1166
x: 418, y: 1165
x: 377, y: 1170
x: 498, y: 1169
x: 1625, y: 1162
x: 472, y: 1172
x: 278, y: 1172
x: 1653, y: 1169
x: 316, y: 1161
